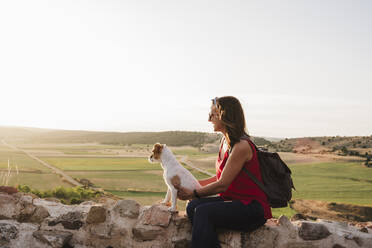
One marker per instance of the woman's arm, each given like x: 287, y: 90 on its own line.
x: 239, y: 154
x: 207, y: 181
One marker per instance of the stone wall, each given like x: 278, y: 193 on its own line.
x: 32, y: 222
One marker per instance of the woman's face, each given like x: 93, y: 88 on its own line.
x: 214, y: 117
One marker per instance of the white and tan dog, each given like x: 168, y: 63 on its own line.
x: 174, y: 173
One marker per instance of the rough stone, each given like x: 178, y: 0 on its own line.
x: 287, y: 224
x: 155, y: 227
x: 26, y: 212
x: 71, y: 220
x: 301, y: 245
x: 338, y: 246
x: 313, y: 231
x: 298, y: 217
x: 8, y: 207
x: 181, y: 242
x: 56, y: 239
x: 156, y: 215
x: 7, y: 232
x: 101, y: 230
x: 363, y: 229
x: 146, y: 232
x: 25, y: 199
x: 39, y: 214
x: 97, y: 214
x: 230, y: 239
x: 127, y: 208
x: 254, y: 239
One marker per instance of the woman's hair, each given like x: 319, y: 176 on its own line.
x: 232, y: 116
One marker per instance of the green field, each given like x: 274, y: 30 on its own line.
x: 333, y: 182
x: 24, y: 170
x: 136, y: 178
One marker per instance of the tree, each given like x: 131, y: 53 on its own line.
x: 344, y: 150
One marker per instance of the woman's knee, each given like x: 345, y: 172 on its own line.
x: 202, y: 211
x: 190, y: 208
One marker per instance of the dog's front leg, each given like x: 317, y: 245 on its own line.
x: 167, y: 197
x: 173, y: 208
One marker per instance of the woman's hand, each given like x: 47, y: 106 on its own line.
x: 183, y: 193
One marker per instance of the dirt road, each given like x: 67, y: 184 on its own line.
x: 54, y: 169
x: 183, y: 159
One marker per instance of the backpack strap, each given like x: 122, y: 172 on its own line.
x: 254, y: 179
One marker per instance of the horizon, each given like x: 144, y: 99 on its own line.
x: 113, y: 131
x: 300, y: 69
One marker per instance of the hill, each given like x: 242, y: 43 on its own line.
x: 345, y: 146
x: 172, y: 138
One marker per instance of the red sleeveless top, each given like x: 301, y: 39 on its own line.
x: 242, y: 187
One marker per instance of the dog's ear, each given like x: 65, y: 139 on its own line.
x: 157, y: 150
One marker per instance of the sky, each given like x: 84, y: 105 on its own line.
x: 299, y: 68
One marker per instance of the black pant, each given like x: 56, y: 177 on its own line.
x: 207, y: 214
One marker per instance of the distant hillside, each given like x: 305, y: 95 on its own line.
x: 355, y: 145
x: 172, y: 138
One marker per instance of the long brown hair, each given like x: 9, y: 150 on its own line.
x: 232, y: 116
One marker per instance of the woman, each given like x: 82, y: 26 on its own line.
x: 240, y: 204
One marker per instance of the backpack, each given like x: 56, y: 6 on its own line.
x: 276, y: 176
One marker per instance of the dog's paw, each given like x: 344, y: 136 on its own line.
x: 166, y: 203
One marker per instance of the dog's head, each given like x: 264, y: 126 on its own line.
x: 156, y: 153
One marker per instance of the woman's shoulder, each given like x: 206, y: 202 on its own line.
x: 242, y: 146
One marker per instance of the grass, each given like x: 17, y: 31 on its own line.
x: 333, y: 182
x: 100, y: 164
x: 24, y: 170
x: 23, y: 162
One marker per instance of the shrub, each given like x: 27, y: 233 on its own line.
x: 74, y: 195
x: 60, y: 192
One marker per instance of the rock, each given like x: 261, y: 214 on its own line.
x: 146, y: 232
x: 298, y: 217
x: 230, y: 239
x: 7, y: 232
x: 255, y: 238
x: 102, y: 230
x: 8, y: 207
x: 39, y: 215
x: 56, y: 239
x: 287, y: 224
x: 25, y: 199
x: 363, y: 229
x: 338, y: 246
x: 127, y: 208
x: 71, y: 220
x: 97, y: 214
x: 181, y: 243
x: 301, y: 245
x: 8, y: 189
x: 156, y: 215
x: 313, y: 231
x: 26, y: 212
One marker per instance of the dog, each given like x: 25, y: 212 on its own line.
x: 174, y: 174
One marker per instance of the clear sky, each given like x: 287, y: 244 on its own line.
x: 300, y: 68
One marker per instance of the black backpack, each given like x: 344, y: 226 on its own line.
x: 276, y: 176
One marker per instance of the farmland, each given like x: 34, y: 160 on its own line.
x: 123, y: 170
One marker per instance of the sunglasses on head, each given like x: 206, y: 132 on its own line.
x: 214, y: 100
